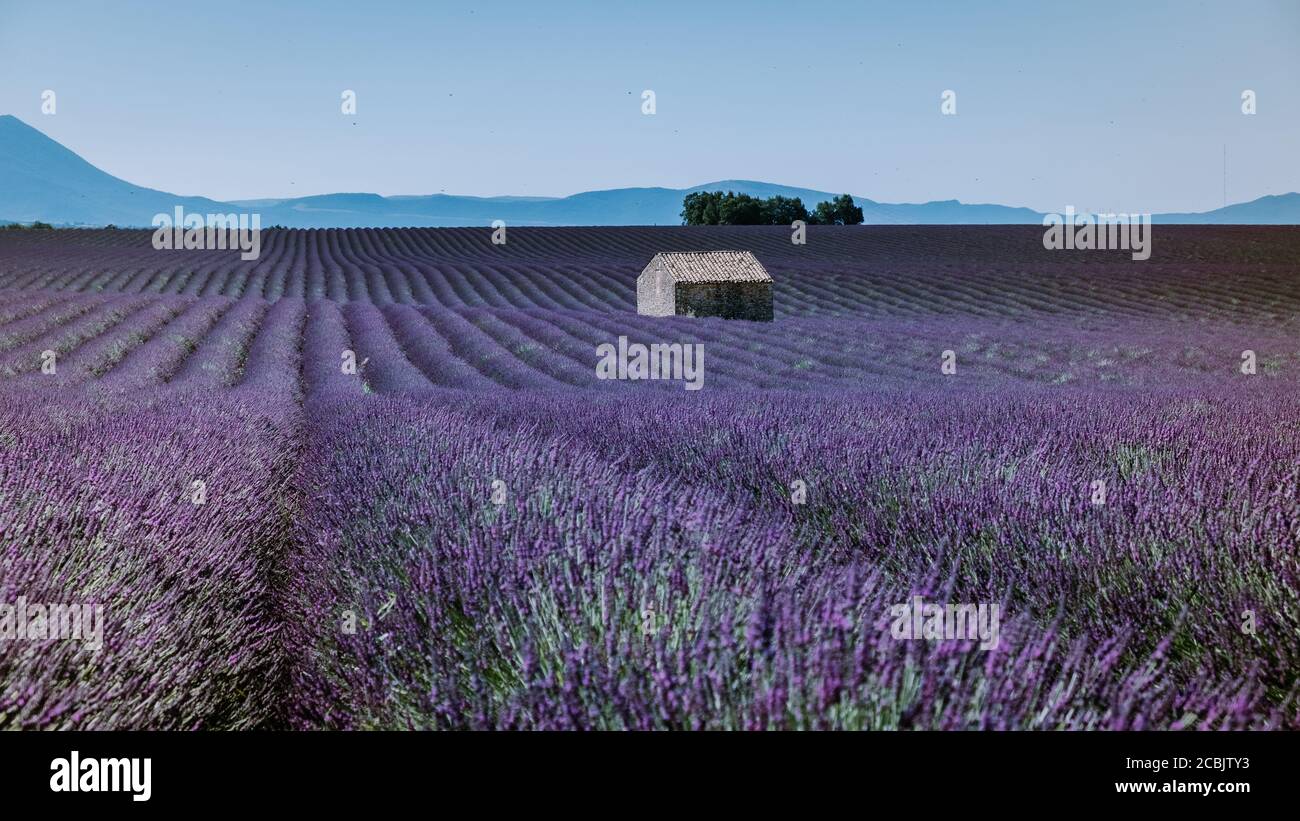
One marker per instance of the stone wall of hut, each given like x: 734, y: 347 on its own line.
x: 654, y: 292
x: 729, y: 300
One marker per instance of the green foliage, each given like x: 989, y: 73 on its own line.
x: 785, y: 210
x: 703, y: 208
x: 741, y: 209
x: 730, y: 208
x: 35, y: 226
x: 839, y: 211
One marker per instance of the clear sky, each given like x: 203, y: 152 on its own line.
x: 1124, y: 106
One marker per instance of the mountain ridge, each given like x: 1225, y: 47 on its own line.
x: 40, y: 179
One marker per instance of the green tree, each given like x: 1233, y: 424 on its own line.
x: 702, y: 208
x: 781, y: 210
x: 730, y: 208
x: 741, y: 209
x: 839, y: 211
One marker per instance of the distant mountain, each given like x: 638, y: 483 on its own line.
x: 42, y: 180
x: 1274, y: 209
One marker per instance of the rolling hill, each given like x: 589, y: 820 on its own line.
x: 43, y: 180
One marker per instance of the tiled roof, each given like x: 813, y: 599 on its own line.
x: 714, y: 266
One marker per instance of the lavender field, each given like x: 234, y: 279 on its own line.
x: 474, y: 531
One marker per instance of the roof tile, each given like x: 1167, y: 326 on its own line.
x: 714, y: 266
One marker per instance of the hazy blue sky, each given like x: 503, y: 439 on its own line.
x: 1124, y: 106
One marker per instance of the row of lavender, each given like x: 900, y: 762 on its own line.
x: 158, y: 528
x: 617, y: 559
x: 122, y: 343
x: 881, y: 272
x: 576, y: 562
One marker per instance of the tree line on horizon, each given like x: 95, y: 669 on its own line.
x: 730, y: 208
x: 18, y: 226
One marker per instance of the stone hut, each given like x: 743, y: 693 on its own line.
x: 727, y: 284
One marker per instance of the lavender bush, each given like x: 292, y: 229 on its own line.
x: 766, y: 614
x: 472, y: 530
